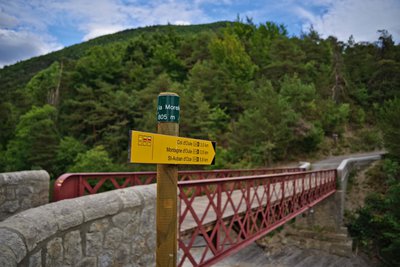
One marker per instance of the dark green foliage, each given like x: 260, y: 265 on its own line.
x: 230, y: 55
x: 36, y: 141
x: 333, y: 116
x: 42, y: 88
x: 195, y: 114
x: 7, y: 122
x: 376, y: 226
x: 274, y: 120
x: 262, y: 95
x: 67, y: 152
x: 390, y: 126
x: 94, y: 160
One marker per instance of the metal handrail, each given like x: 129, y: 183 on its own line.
x: 231, y: 213
x: 71, y: 185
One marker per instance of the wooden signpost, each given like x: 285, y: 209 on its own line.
x: 167, y: 150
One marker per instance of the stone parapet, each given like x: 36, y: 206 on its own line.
x: 22, y: 190
x: 116, y: 228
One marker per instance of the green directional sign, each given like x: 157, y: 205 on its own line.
x: 168, y: 108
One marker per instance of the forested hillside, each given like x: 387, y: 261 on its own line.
x: 262, y: 95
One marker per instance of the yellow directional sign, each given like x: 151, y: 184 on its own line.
x: 165, y: 149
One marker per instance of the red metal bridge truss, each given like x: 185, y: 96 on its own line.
x: 220, y: 211
x: 233, y: 212
x: 71, y: 185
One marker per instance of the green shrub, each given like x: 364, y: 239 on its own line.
x: 376, y: 226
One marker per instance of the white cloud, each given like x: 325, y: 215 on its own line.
x: 23, y: 45
x: 307, y: 15
x: 360, y: 18
x: 27, y: 25
x: 25, y: 15
x: 95, y: 18
x: 98, y: 30
x: 7, y: 21
x: 162, y: 12
x: 214, y: 2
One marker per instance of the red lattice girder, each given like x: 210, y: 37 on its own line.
x: 72, y: 185
x: 238, y: 210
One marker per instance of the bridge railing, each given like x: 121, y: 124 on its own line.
x: 234, y: 212
x: 71, y: 185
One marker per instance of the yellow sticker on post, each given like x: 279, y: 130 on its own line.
x: 166, y: 149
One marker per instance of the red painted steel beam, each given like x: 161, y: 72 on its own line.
x: 71, y: 185
x: 277, y: 198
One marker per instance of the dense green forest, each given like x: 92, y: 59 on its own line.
x: 375, y: 227
x: 264, y: 96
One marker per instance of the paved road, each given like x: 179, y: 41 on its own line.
x: 334, y: 161
x: 255, y: 256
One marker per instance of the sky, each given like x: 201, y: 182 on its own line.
x: 31, y: 28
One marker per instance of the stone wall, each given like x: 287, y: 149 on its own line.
x: 115, y: 228
x: 23, y: 190
x: 344, y: 170
x: 321, y: 227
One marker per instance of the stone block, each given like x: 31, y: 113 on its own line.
x: 147, y: 259
x: 94, y: 243
x: 147, y: 221
x: 105, y: 259
x: 122, y: 256
x: 14, y: 242
x: 2, y: 195
x: 99, y: 226
x: 35, y: 225
x: 7, y: 257
x: 113, y: 238
x: 130, y: 197
x: 138, y: 246
x: 72, y: 247
x: 68, y: 213
x: 121, y: 219
x: 100, y: 205
x: 26, y: 203
x: 16, y: 178
x: 10, y: 192
x: 149, y: 193
x: 55, y: 251
x: 132, y: 228
x: 87, y: 262
x: 36, y: 259
x: 10, y: 206
x: 24, y: 191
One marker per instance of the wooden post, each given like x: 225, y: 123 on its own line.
x: 167, y: 177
